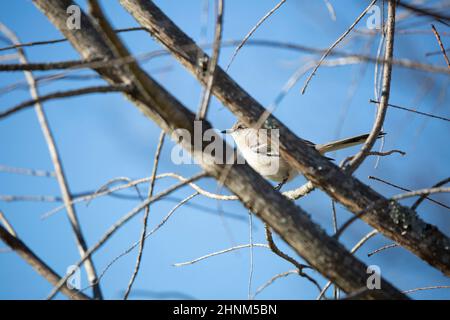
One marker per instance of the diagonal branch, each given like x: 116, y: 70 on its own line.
x: 59, y: 171
x: 325, y: 55
x: 250, y: 33
x: 37, y: 263
x: 206, y: 97
x: 63, y: 94
x: 385, y: 92
x: 147, y: 212
x: 294, y: 225
x: 423, y: 239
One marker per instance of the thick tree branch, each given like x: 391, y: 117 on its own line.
x: 39, y: 265
x: 293, y: 224
x: 424, y: 240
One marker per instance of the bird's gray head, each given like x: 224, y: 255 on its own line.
x: 239, y: 126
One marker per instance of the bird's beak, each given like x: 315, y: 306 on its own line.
x: 227, y: 131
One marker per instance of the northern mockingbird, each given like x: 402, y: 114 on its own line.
x: 264, y: 157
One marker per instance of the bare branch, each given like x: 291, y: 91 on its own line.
x: 64, y: 94
x: 46, y: 42
x: 147, y: 212
x: 57, y: 165
x: 26, y: 171
x: 37, y: 263
x: 280, y: 213
x: 438, y: 37
x: 385, y: 92
x: 212, y: 64
x: 408, y: 190
x: 163, y: 221
x: 250, y: 33
x: 325, y: 55
x: 342, y: 187
x: 407, y: 223
x: 354, y: 249
x: 44, y: 66
x: 100, y: 192
x: 272, y: 280
x: 423, y: 197
x: 388, y: 246
x: 414, y: 111
x: 426, y: 288
x: 427, y: 12
x: 117, y: 226
x: 288, y: 258
x: 256, y: 245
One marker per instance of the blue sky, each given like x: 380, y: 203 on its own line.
x: 101, y: 137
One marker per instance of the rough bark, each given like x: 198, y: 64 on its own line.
x: 293, y: 224
x: 395, y: 221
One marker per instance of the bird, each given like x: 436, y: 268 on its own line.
x: 266, y: 160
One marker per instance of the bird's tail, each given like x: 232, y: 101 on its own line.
x: 344, y: 143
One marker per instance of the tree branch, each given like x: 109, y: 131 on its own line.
x: 39, y: 265
x: 58, y: 168
x: 322, y: 252
x: 63, y: 94
x: 341, y: 186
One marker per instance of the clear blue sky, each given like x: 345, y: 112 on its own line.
x: 102, y: 137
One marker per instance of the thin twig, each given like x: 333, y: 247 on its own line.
x: 426, y: 288
x: 335, y: 228
x: 388, y: 246
x: 146, y: 214
x: 242, y: 246
x: 373, y: 153
x: 432, y: 53
x: 335, y: 44
x: 163, y: 221
x: 385, y: 91
x: 295, y: 77
x: 133, y: 184
x: 46, y: 42
x: 104, y: 188
x: 203, y: 109
x: 408, y: 190
x: 420, y: 192
x: 37, y: 263
x: 439, y: 16
x: 414, y: 111
x: 250, y: 33
x: 288, y: 258
x: 58, y: 168
x: 353, y: 250
x: 411, y: 194
x: 64, y: 94
x: 438, y: 37
x: 250, y: 274
x: 45, y: 66
x: 273, y: 279
x: 280, y: 253
x: 404, y: 63
x: 419, y: 201
x: 27, y: 171
x: 119, y: 224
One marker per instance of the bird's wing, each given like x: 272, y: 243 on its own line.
x: 265, y: 149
